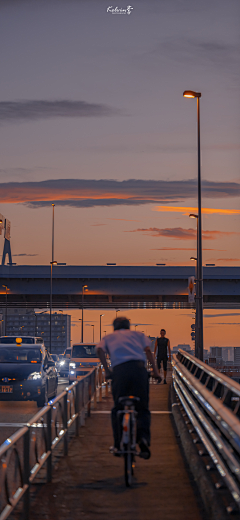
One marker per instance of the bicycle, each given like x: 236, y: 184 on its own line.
x: 128, y: 425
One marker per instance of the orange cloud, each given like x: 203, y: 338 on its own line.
x: 186, y: 210
x: 181, y: 233
x: 183, y: 249
x: 228, y: 259
x: 108, y: 192
x: 125, y: 219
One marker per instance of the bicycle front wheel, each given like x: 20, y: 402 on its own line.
x: 128, y: 464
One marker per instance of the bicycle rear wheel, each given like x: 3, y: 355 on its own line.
x: 128, y: 469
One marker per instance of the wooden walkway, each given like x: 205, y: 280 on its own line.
x: 89, y: 483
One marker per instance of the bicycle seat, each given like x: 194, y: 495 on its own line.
x: 128, y: 400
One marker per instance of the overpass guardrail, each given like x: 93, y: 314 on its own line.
x: 211, y: 402
x: 31, y: 447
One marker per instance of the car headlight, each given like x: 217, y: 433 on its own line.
x: 72, y: 365
x: 62, y: 363
x: 34, y: 376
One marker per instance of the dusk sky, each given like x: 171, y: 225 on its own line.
x: 93, y: 119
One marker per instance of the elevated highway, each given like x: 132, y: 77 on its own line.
x: 116, y: 286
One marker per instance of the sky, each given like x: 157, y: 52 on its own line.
x: 93, y: 119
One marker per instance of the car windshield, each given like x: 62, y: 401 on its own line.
x: 55, y: 357
x: 12, y: 339
x: 20, y: 355
x: 84, y: 351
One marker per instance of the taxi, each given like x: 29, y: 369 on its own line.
x: 27, y: 371
x: 83, y: 359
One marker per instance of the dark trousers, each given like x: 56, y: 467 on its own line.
x: 164, y: 360
x: 131, y: 378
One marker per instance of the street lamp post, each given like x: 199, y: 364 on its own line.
x: 197, y: 335
x: 105, y: 332
x: 5, y: 325
x: 193, y: 258
x: 83, y: 288
x: 101, y: 326
x: 53, y: 262
x: 50, y: 342
x: 92, y: 333
x: 80, y: 319
x: 192, y: 94
x: 117, y: 310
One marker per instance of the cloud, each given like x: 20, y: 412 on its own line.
x: 25, y: 254
x: 221, y: 323
x: 183, y: 249
x: 85, y: 193
x: 181, y: 233
x: 124, y: 219
x: 35, y: 110
x: 221, y: 315
x: 98, y: 224
x: 208, y: 53
x: 206, y: 211
x: 228, y: 260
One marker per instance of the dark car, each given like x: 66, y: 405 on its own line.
x: 27, y: 373
x: 63, y: 366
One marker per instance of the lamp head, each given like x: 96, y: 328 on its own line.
x: 193, y: 258
x: 191, y: 94
x: 192, y: 215
x: 54, y: 262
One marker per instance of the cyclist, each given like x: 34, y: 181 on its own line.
x: 128, y: 350
x: 162, y: 347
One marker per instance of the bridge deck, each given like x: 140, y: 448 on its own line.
x: 89, y: 483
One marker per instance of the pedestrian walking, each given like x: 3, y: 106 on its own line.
x: 163, y: 352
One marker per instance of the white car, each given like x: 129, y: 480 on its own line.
x: 83, y: 358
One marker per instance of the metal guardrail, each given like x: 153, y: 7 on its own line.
x: 25, y: 453
x: 211, y: 401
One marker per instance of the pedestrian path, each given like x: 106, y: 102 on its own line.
x: 89, y: 483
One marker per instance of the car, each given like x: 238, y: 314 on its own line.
x: 27, y: 371
x: 83, y: 358
x: 63, y: 368
x: 55, y: 358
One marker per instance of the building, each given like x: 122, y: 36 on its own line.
x: 183, y: 346
x: 24, y: 322
x: 228, y: 354
x: 236, y: 355
x: 216, y: 353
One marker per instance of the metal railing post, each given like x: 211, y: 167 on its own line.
x: 106, y: 386
x: 95, y: 389
x: 77, y: 408
x: 49, y: 444
x: 89, y: 397
x: 65, y: 420
x: 82, y: 413
x: 100, y: 384
x: 26, y: 473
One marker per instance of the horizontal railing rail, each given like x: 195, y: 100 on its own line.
x: 31, y: 447
x: 211, y: 401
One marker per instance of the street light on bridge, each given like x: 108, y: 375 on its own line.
x: 54, y: 262
x: 92, y: 332
x: 199, y: 297
x: 101, y: 326
x: 84, y: 288
x: 5, y: 325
